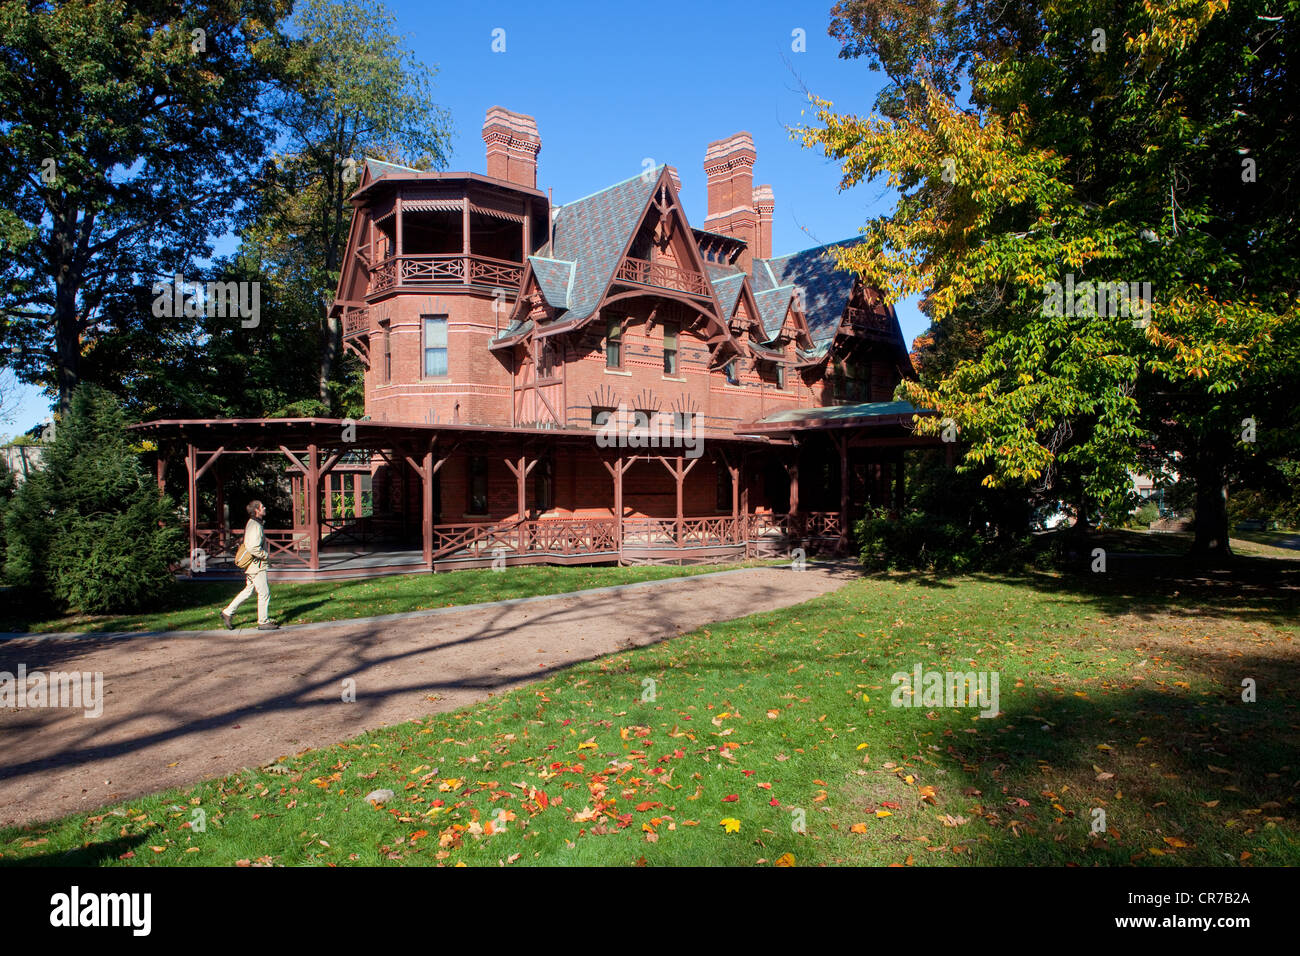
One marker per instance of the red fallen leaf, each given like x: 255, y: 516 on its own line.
x: 417, y: 834
x: 643, y: 807
x: 543, y: 800
x: 127, y: 855
x: 774, y: 802
x: 565, y: 722
x: 730, y: 798
x: 625, y: 820
x: 891, y: 806
x: 1020, y: 802
x: 765, y: 786
x: 748, y: 773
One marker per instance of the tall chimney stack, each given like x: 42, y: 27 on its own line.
x: 729, y: 167
x: 512, y: 146
x: 764, y: 203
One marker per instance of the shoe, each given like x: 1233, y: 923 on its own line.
x: 225, y: 618
x: 268, y: 626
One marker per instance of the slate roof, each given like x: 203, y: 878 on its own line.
x: 727, y: 288
x: 555, y: 278
x: 772, y: 307
x: 591, y: 233
x: 825, y: 289
x: 378, y: 167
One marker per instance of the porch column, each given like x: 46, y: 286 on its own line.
x: 426, y: 507
x: 792, y: 469
x: 520, y: 468
x: 356, y: 495
x: 842, y: 445
x: 313, y: 505
x: 616, y: 472
x: 679, y: 476
x: 464, y: 244
x: 192, y: 486
x: 329, y: 496
x: 160, y: 466
x: 222, y: 526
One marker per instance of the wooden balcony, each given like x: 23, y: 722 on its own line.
x: 661, y: 275
x: 400, y: 273
x: 867, y: 322
x: 356, y: 322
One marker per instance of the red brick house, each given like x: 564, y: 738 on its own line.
x: 595, y: 381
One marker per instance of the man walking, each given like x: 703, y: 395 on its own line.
x: 255, y: 573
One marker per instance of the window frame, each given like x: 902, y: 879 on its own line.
x: 614, y: 344
x: 672, y: 330
x: 426, y: 348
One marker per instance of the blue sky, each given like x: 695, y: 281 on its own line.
x: 614, y: 85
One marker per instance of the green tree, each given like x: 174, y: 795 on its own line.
x: 127, y: 132
x: 89, y: 530
x: 1134, y: 141
x: 346, y: 88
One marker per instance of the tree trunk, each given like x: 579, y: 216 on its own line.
x: 1211, y: 541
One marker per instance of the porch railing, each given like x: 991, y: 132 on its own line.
x: 401, y: 271
x: 663, y: 275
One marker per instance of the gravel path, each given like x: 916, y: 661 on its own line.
x: 183, y: 707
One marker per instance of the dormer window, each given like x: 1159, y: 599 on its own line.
x: 733, y: 377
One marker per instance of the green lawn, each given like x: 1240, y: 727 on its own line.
x: 1119, y: 692
x: 197, y: 605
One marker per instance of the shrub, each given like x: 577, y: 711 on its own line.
x: 89, y: 530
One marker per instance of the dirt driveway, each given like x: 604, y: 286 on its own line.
x: 189, y: 706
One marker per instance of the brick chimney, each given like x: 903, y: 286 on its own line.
x: 729, y: 167
x: 764, y: 203
x: 512, y: 146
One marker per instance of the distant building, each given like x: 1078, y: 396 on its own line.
x: 23, y: 459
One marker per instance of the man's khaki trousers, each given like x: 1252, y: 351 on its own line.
x: 254, y: 582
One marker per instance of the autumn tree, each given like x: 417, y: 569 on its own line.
x: 1101, y: 221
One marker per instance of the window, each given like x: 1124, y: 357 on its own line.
x: 600, y: 416
x: 641, y: 419
x: 543, y: 486
x: 683, y: 421
x: 388, y: 355
x: 435, y: 345
x: 546, y: 361
x: 724, y: 487
x: 732, y: 377
x: 614, y: 344
x: 670, y: 348
x: 477, y: 485
x: 780, y: 376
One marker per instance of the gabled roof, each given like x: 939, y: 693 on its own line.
x: 772, y: 307
x: 592, y: 233
x: 554, y: 278
x: 826, y: 289
x: 727, y: 288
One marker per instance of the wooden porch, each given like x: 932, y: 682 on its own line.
x: 344, y: 552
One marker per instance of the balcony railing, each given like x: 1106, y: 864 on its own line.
x: 419, y: 271
x: 356, y: 322
x: 663, y: 276
x: 865, y: 320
